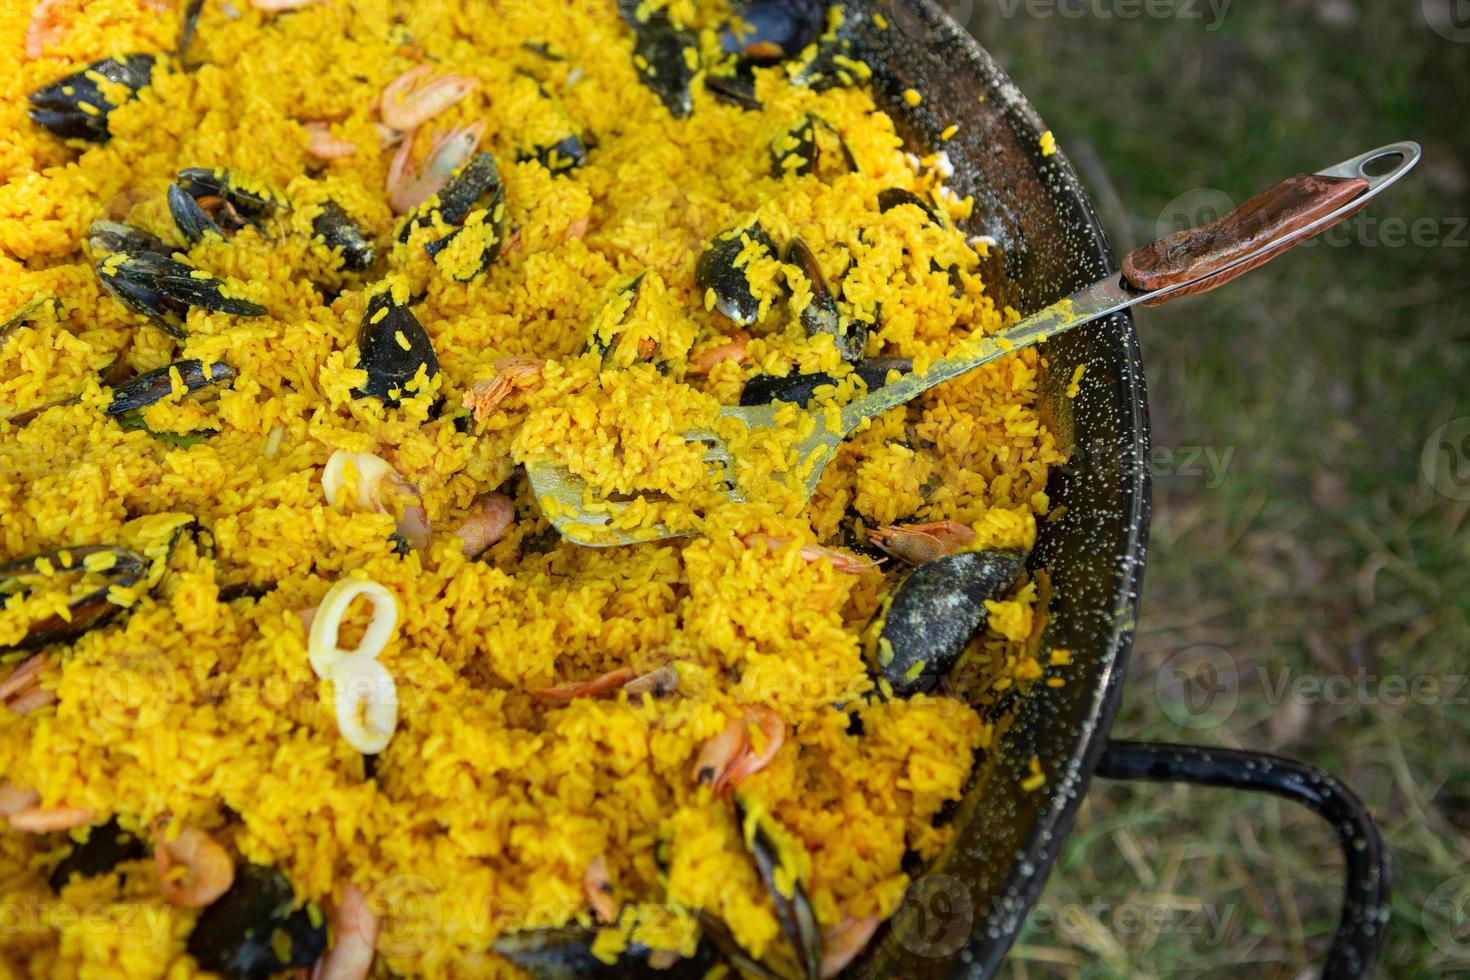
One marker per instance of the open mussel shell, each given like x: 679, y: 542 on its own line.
x: 566, y: 953
x: 342, y: 235
x: 163, y: 289
x: 934, y: 612
x: 75, y: 108
x: 254, y: 931
x: 717, y: 273
x: 252, y: 203
x: 392, y: 347
x: 766, y: 31
x: 821, y: 316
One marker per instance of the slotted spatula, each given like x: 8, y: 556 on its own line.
x: 1192, y: 261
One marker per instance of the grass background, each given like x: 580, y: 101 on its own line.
x: 1314, y: 548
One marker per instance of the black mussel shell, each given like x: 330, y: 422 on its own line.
x: 793, y: 911
x: 189, y: 218
x: 893, y: 197
x: 188, y: 25
x: 934, y: 612
x: 57, y: 106
x: 475, y: 188
x: 254, y: 205
x: 566, y: 953
x: 821, y: 316
x: 662, y: 56
x: 561, y: 157
x: 150, y: 386
x: 717, y: 271
x: 163, y: 288
x: 107, y: 845
x: 338, y: 231
x: 106, y: 237
x: 800, y: 388
x: 85, y: 613
x: 772, y: 30
x: 252, y: 931
x: 389, y: 365
x: 831, y: 63
x: 737, y: 89
x: 795, y: 151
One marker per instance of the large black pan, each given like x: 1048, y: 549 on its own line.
x: 964, y: 911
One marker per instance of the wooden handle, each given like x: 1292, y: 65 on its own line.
x: 1272, y: 214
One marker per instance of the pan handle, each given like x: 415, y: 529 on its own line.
x: 1360, y: 928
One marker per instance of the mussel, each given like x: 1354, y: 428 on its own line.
x: 800, y: 388
x: 560, y: 157
x: 343, y: 237
x: 765, y: 31
x: 665, y: 56
x: 933, y: 613
x: 833, y: 61
x: 210, y: 201
x: 393, y: 347
x: 107, y: 845
x: 106, y: 237
x: 737, y: 87
x: 821, y: 315
x: 893, y: 197
x: 163, y: 289
x: 145, y: 389
x: 472, y: 206
x: 254, y: 931
x: 110, y: 566
x: 75, y: 107
x: 776, y: 866
x: 721, y: 272
x: 566, y: 953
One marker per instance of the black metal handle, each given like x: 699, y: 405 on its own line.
x: 1365, y: 911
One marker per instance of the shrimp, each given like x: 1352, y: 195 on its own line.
x: 45, y: 820
x: 46, y: 27
x: 920, y: 543
x: 842, y: 942
x: 14, y: 799
x: 280, y: 6
x: 577, y: 229
x: 492, y: 516
x: 729, y: 758
x: 417, y: 96
x: 733, y: 350
x: 321, y: 144
x: 208, y: 871
x: 599, y: 891
x: 659, y: 682
x: 607, y: 683
x: 451, y: 151
x: 355, y: 926
x: 841, y: 561
x: 19, y: 689
x: 510, y: 373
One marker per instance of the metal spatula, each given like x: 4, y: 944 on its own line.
x: 1192, y: 261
